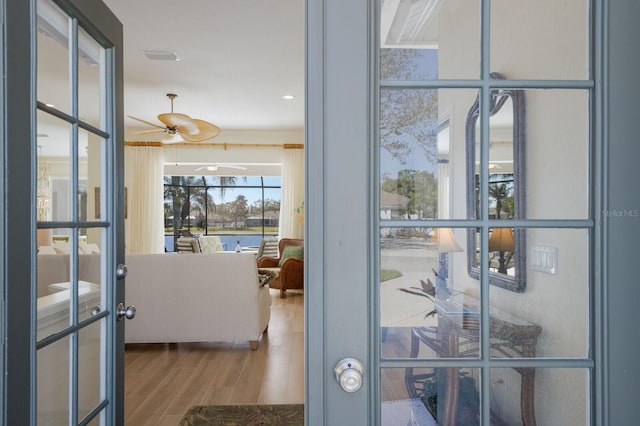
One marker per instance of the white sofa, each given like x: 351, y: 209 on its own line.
x: 196, y: 298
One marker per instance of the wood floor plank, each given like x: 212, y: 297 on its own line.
x: 163, y: 381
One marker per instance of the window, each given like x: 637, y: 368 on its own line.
x: 235, y: 208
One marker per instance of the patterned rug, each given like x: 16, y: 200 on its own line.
x: 245, y: 415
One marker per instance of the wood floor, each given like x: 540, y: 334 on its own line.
x: 162, y: 381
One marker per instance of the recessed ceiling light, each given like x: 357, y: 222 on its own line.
x: 287, y: 97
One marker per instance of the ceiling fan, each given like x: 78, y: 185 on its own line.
x: 179, y: 127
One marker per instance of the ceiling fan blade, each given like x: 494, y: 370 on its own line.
x: 142, y: 132
x: 205, y: 130
x: 146, y: 122
x: 230, y: 166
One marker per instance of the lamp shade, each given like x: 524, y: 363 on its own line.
x: 501, y: 239
x: 447, y: 242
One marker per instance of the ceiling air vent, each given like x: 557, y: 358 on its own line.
x: 161, y: 55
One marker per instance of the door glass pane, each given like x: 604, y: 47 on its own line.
x: 90, y: 273
x: 430, y: 396
x: 421, y: 40
x: 422, y: 152
x: 54, y: 169
x: 54, y: 264
x: 91, y: 157
x: 91, y: 68
x: 542, y: 39
x: 538, y: 154
x: 541, y: 396
x: 550, y: 319
x: 557, y: 154
x: 423, y: 314
x: 53, y: 383
x: 71, y: 189
x: 90, y: 367
x: 53, y: 66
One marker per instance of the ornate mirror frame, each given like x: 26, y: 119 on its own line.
x: 518, y: 281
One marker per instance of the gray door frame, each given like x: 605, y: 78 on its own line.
x: 18, y: 232
x: 338, y: 303
x: 621, y: 217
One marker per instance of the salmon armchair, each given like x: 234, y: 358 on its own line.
x: 291, y: 273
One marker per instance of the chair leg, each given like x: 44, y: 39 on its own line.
x: 283, y: 293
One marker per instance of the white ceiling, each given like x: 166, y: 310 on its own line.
x: 237, y: 59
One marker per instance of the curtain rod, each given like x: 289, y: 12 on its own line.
x: 224, y: 145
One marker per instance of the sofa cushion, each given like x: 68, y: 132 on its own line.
x: 295, y: 252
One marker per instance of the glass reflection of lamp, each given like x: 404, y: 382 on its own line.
x: 501, y: 240
x: 446, y: 244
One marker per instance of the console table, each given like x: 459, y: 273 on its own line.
x: 458, y: 326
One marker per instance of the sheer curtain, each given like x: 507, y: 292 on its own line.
x: 143, y: 176
x: 291, y: 202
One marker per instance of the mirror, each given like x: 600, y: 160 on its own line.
x: 507, y: 256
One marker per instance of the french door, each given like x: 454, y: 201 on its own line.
x: 64, y: 215
x: 460, y: 209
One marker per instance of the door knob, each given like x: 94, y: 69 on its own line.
x: 121, y: 271
x: 129, y: 312
x: 349, y: 374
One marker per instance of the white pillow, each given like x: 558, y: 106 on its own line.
x: 210, y: 243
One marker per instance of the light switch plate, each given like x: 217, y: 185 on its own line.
x: 544, y: 259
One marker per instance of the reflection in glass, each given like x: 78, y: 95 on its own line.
x: 424, y: 396
x: 53, y: 383
x: 53, y: 72
x: 422, y: 40
x: 549, y: 327
x: 54, y: 150
x: 556, y: 396
x: 408, y: 154
x: 89, y: 367
x: 507, y: 174
x: 557, y: 182
x: 419, y: 308
x: 91, y: 69
x: 54, y: 266
x: 91, y: 158
x: 502, y: 244
x: 533, y: 43
x: 416, y: 154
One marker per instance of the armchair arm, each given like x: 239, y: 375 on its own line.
x: 292, y: 273
x: 268, y: 262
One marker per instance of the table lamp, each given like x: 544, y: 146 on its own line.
x: 501, y: 240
